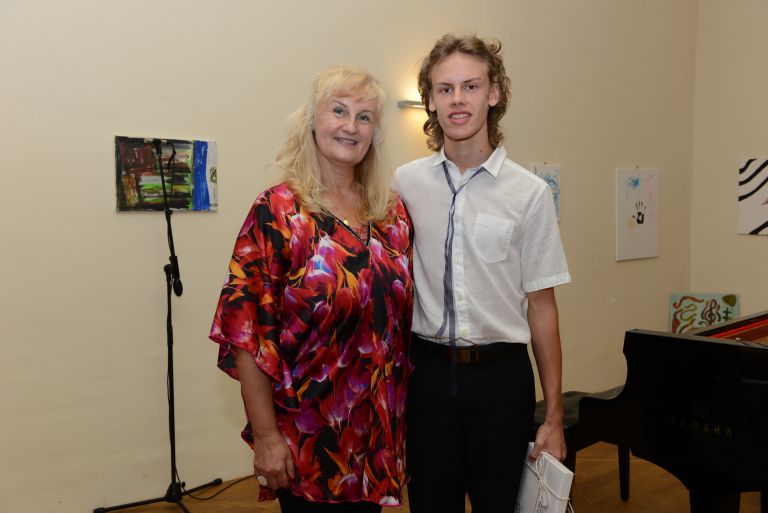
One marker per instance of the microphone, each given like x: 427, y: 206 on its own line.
x: 172, y: 269
x: 178, y: 288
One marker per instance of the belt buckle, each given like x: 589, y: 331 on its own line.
x: 465, y: 355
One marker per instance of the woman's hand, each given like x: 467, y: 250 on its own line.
x: 272, y: 459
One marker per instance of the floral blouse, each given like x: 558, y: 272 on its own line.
x: 327, y: 316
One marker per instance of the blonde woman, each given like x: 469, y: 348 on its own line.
x: 315, y: 316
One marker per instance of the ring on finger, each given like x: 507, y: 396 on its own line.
x: 261, y: 480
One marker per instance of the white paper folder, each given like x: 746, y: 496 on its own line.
x: 545, y: 485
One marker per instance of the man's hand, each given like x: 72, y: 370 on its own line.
x: 550, y: 438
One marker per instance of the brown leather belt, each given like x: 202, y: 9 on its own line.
x: 471, y: 354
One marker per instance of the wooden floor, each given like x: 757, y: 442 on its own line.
x: 596, y: 490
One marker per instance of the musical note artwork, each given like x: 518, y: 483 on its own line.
x: 190, y: 181
x: 691, y: 310
x: 753, y: 197
x: 637, y: 213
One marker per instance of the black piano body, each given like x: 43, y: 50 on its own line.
x: 695, y: 405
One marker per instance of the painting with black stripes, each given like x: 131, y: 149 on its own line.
x: 188, y: 179
x: 753, y: 197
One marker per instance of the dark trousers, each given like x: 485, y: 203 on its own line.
x: 290, y: 503
x: 468, y: 430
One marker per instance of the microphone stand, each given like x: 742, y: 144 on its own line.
x: 176, y: 490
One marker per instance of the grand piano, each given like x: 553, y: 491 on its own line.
x: 695, y: 405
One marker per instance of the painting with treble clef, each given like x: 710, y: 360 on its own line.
x: 691, y: 310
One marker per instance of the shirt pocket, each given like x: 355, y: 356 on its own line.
x: 491, y: 237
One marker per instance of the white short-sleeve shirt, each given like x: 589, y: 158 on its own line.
x: 478, y: 254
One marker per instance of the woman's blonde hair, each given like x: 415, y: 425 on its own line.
x: 298, y: 156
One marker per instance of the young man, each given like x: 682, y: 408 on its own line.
x: 487, y: 256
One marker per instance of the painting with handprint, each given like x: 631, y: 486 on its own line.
x: 691, y: 310
x: 637, y: 213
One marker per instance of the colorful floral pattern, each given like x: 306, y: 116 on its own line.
x: 327, y: 317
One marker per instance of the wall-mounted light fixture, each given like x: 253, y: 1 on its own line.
x: 410, y: 104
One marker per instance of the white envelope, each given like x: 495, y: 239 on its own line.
x: 545, y: 485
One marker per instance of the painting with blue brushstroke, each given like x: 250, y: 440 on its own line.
x: 188, y: 171
x: 551, y: 174
x: 637, y: 213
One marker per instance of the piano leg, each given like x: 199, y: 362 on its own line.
x: 623, y: 472
x: 706, y: 502
x: 764, y: 501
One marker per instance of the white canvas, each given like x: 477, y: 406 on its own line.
x: 637, y: 213
x: 545, y: 485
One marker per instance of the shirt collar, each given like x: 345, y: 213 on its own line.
x: 492, y: 165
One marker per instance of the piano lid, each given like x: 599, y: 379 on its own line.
x: 753, y: 328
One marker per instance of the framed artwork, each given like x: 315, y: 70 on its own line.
x: 190, y: 177
x: 637, y: 213
x: 691, y: 310
x: 550, y: 174
x: 753, y: 197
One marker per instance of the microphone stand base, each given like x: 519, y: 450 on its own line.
x: 174, y: 494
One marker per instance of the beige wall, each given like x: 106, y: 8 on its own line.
x: 731, y: 103
x: 598, y: 84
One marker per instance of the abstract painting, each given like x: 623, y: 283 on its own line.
x: 637, y: 213
x: 190, y: 176
x: 691, y: 310
x: 550, y: 174
x: 753, y: 197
